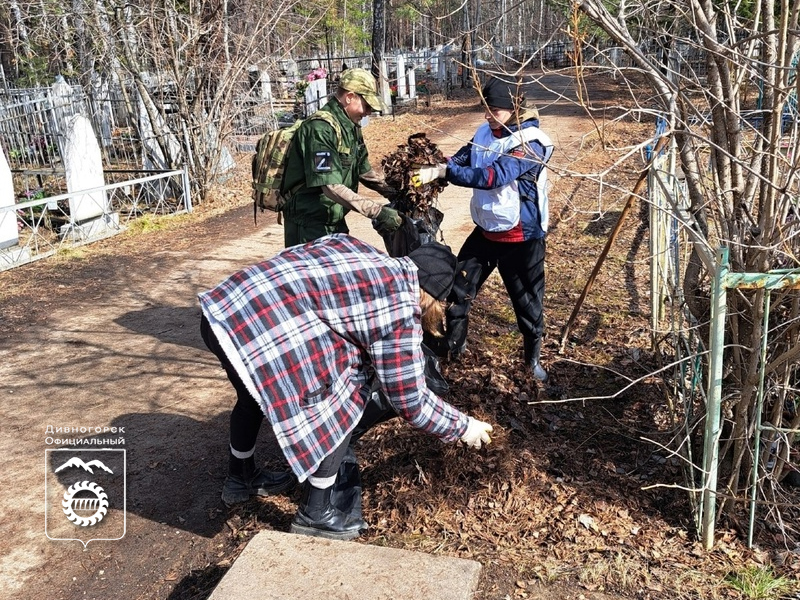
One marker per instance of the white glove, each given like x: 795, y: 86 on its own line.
x: 477, y: 432
x: 425, y: 175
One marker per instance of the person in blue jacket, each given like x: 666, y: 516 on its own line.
x: 504, y: 164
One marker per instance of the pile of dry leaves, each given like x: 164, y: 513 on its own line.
x: 400, y: 164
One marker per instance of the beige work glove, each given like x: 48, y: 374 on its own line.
x: 427, y: 174
x: 477, y: 432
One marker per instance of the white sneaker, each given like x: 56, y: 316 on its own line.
x: 539, y: 373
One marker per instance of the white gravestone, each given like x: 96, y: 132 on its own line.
x: 400, y: 66
x: 412, y: 83
x: 153, y: 156
x: 383, y: 87
x: 9, y: 235
x: 84, y: 171
x: 225, y: 162
x: 63, y: 106
x: 316, y: 95
x: 441, y: 69
x: 11, y: 254
x: 265, y: 86
x: 105, y: 115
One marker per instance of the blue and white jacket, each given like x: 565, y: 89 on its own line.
x: 506, y: 170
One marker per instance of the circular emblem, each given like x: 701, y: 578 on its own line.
x: 85, y: 503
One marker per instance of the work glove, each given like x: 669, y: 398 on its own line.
x: 426, y: 174
x: 388, y: 221
x: 477, y: 432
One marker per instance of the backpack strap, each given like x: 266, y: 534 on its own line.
x: 331, y: 120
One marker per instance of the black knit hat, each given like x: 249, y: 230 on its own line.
x: 501, y: 94
x: 436, y: 268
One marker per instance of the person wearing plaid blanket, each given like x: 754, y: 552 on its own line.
x: 305, y: 338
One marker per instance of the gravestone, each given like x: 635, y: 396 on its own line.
x: 104, y: 113
x: 265, y: 86
x: 288, y: 67
x: 88, y: 212
x: 153, y: 159
x: 225, y: 162
x: 383, y: 86
x: 10, y: 252
x: 615, y: 57
x: 441, y: 69
x: 316, y: 95
x: 402, y: 90
x: 63, y: 105
x: 9, y: 235
x: 260, y: 83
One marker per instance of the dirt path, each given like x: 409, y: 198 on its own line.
x: 114, y: 342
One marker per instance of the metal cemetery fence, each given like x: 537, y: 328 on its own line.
x: 40, y: 228
x: 696, y: 381
x: 74, y: 169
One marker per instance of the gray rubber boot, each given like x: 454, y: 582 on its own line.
x: 533, y: 347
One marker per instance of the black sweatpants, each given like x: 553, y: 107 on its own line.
x: 521, y: 266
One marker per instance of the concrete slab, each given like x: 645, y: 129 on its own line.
x: 285, y: 566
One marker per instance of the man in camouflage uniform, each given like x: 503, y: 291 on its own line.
x: 323, y: 168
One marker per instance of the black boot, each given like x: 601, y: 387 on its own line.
x: 533, y: 347
x: 346, y: 491
x: 245, y: 480
x: 316, y: 516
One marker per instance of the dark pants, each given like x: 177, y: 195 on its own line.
x: 521, y: 266
x: 246, y: 416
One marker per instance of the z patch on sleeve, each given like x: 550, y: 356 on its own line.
x: 322, y: 162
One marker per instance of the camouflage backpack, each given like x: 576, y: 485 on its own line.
x: 269, y: 163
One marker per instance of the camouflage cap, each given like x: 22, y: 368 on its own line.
x: 362, y: 83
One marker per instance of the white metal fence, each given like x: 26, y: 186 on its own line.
x: 39, y: 228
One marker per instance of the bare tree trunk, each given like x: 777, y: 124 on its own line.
x: 378, y: 35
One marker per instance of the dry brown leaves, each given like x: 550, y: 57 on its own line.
x: 399, y: 166
x: 564, y: 495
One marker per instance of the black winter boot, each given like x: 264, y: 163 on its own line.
x: 533, y: 347
x: 346, y: 491
x: 245, y: 480
x: 316, y: 516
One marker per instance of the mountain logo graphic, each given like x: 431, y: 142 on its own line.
x: 85, y: 494
x: 77, y: 462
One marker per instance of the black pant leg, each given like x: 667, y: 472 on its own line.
x: 246, y: 416
x: 522, y: 270
x: 482, y: 253
x: 331, y: 463
x: 476, y: 260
